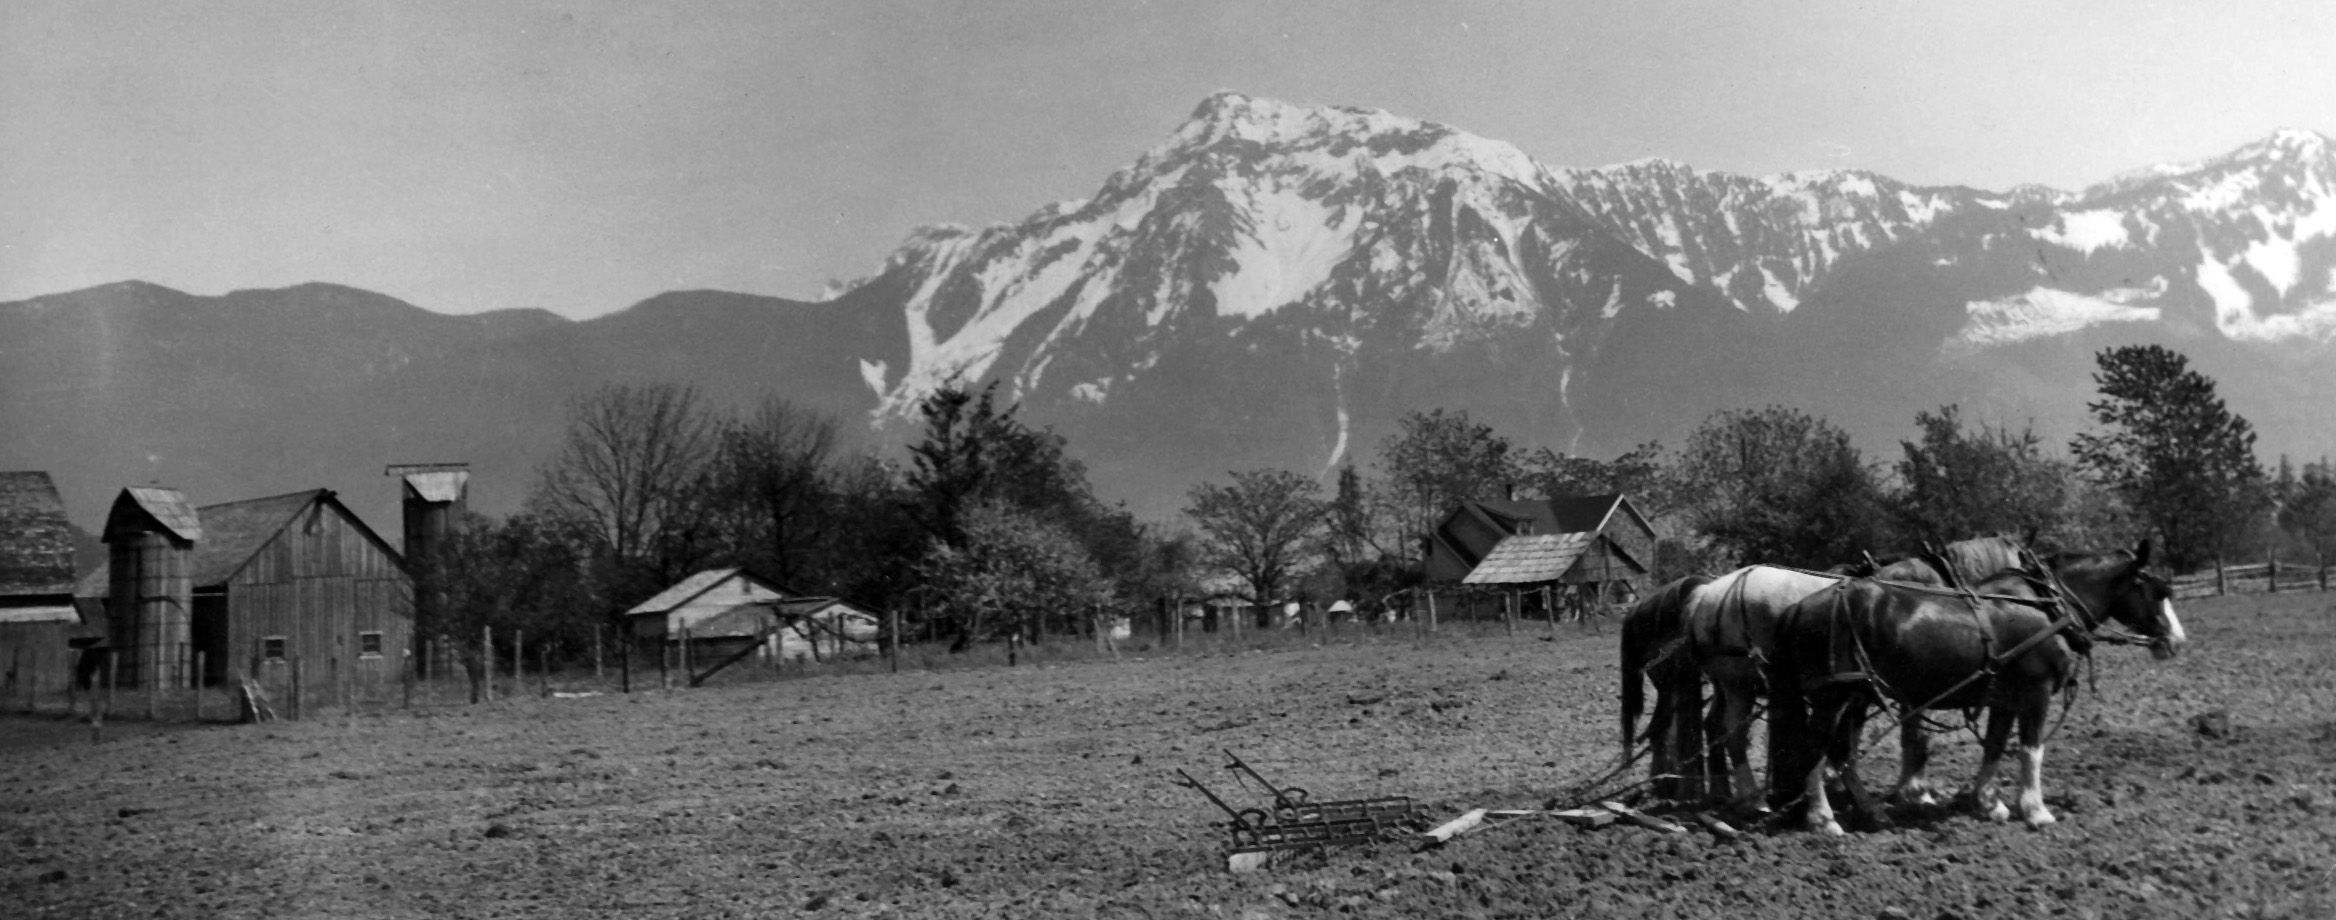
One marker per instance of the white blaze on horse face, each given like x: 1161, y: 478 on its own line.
x: 2175, y: 637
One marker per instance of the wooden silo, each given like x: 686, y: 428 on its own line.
x: 151, y: 534
x: 434, y: 496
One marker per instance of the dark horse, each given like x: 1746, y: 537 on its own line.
x: 2008, y: 647
x: 1653, y: 629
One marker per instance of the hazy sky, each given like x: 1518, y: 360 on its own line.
x: 583, y: 156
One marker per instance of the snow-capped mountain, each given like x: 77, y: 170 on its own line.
x: 1276, y: 283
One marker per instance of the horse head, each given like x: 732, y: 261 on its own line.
x: 2119, y: 586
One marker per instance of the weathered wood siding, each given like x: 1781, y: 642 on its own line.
x: 320, y: 584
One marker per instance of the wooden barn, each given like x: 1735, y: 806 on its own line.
x: 1599, y: 547
x: 39, y: 624
x: 271, y: 586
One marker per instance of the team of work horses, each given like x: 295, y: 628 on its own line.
x: 1980, y: 624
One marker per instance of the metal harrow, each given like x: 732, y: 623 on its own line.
x: 1294, y: 821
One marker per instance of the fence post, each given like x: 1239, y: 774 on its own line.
x: 2222, y: 584
x: 664, y: 667
x: 518, y: 657
x: 200, y: 661
x: 487, y: 663
x: 299, y: 697
x: 597, y: 673
x: 2271, y: 582
x: 405, y: 678
x: 896, y: 640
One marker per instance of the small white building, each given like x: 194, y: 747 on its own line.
x: 723, y: 611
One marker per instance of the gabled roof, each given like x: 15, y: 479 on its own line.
x: 36, y: 539
x: 138, y: 506
x: 1529, y: 558
x: 235, y: 531
x: 1580, y: 514
x: 689, y: 588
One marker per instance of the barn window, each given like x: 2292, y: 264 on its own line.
x: 272, y: 648
x: 369, y: 645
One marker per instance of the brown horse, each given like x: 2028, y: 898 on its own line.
x: 2009, y: 648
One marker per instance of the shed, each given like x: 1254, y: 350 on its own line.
x: 721, y: 610
x: 284, y: 579
x: 1601, y: 543
x: 39, y: 623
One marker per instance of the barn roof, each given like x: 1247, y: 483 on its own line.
x: 235, y: 531
x: 1529, y: 558
x: 1580, y: 514
x: 36, y: 539
x: 164, y: 507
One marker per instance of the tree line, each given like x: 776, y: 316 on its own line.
x: 989, y: 527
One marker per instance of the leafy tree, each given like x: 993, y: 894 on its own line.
x: 1778, y: 485
x: 1437, y: 459
x: 1012, y: 569
x: 2308, y: 509
x: 1957, y: 484
x: 1261, y: 529
x: 517, y: 574
x: 2182, y: 460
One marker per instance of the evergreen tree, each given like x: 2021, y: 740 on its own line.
x: 2182, y: 460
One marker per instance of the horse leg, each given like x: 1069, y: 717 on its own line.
x: 1912, y: 787
x: 2032, y: 808
x: 1983, y: 797
x: 1853, y: 723
x: 1744, y: 788
x: 1824, y: 719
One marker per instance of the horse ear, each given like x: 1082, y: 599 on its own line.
x: 2141, y: 554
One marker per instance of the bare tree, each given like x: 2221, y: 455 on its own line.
x: 775, y: 482
x: 633, y: 472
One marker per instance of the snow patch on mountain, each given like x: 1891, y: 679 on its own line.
x: 2087, y: 231
x: 2038, y: 313
x: 1292, y: 245
x: 2238, y: 316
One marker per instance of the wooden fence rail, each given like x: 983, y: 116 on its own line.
x: 2256, y: 578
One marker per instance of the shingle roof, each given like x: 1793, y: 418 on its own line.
x: 233, y: 531
x: 36, y: 539
x: 1529, y: 558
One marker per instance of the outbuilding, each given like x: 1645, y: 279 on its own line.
x: 39, y: 625
x: 1595, y: 549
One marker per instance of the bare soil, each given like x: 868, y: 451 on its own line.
x: 1045, y: 791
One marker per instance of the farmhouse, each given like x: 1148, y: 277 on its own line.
x: 38, y: 623
x: 266, y: 588
x: 1599, y: 545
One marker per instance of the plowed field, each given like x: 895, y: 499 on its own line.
x: 1045, y: 791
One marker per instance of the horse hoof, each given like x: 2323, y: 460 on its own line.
x: 2040, y: 819
x: 1831, y: 829
x: 1999, y: 813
